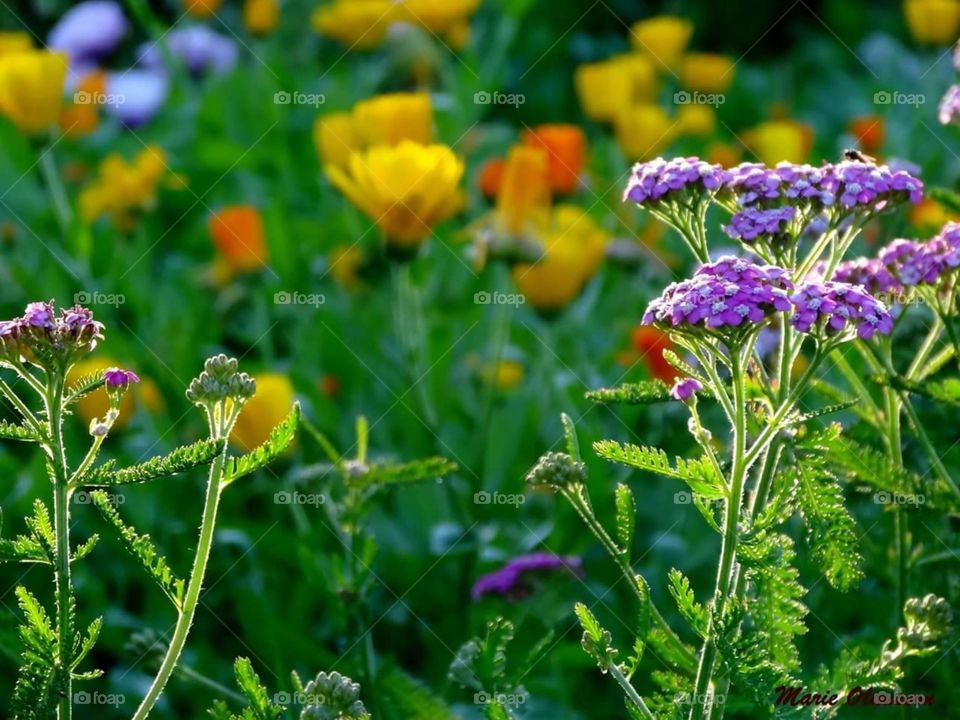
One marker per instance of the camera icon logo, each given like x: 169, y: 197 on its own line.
x: 682, y: 498
x: 481, y: 97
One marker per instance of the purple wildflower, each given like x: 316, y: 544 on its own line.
x: 39, y: 315
x: 512, y: 580
x: 833, y: 305
x: 755, y: 223
x: 200, y: 48
x: 949, y: 110
x: 872, y: 273
x: 143, y: 91
x: 42, y: 335
x: 865, y: 185
x: 725, y: 293
x: 661, y: 180
x: 88, y: 31
x: 755, y: 183
x: 685, y: 388
x: 119, y: 378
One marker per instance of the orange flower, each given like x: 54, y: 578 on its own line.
x: 202, y: 8
x: 723, y: 154
x: 261, y: 16
x: 490, y: 176
x: 524, y: 193
x: 565, y: 146
x: 81, y: 117
x: 649, y: 342
x: 929, y: 216
x: 237, y: 231
x: 869, y: 132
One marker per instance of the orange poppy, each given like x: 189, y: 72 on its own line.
x: 869, y: 132
x: 237, y: 231
x: 566, y: 147
x: 491, y: 173
x: 649, y: 342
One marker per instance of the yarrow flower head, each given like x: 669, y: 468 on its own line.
x: 512, y: 581
x: 757, y: 184
x: 48, y: 339
x: 753, y: 223
x: 949, y: 110
x: 863, y: 185
x: 332, y: 696
x: 724, y: 294
x: 557, y: 470
x: 685, y: 388
x: 659, y: 181
x: 220, y: 381
x: 833, y: 307
x: 872, y: 273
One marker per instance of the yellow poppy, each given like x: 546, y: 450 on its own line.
x: 779, y: 140
x: 933, y: 22
x: 605, y: 89
x: 360, y: 24
x: 506, y: 374
x: 11, y: 42
x: 406, y: 189
x: 261, y: 16
x: 388, y: 119
x: 664, y: 38
x: 707, y: 72
x: 122, y: 189
x: 335, y: 138
x: 524, y: 193
x: 264, y: 411
x: 439, y: 16
x: 31, y: 88
x: 696, y: 120
x: 643, y: 131
x: 344, y: 262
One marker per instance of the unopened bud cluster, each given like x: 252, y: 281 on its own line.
x: 557, y: 470
x: 341, y: 699
x: 220, y: 381
x: 927, y: 620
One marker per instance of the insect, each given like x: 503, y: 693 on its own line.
x: 857, y: 156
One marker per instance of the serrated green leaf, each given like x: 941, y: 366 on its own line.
x: 281, y: 437
x: 570, y: 436
x: 182, y: 459
x: 384, y: 474
x: 692, y: 611
x: 640, y: 393
x: 699, y: 474
x: 84, y: 385
x: 626, y: 517
x: 17, y: 431
x: 946, y: 390
x: 409, y: 698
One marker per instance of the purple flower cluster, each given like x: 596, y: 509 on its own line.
x: 725, y: 293
x: 661, y: 179
x: 41, y: 334
x: 512, y: 580
x: 869, y: 272
x: 767, y: 223
x: 685, y: 388
x: 832, y: 305
x: 949, y: 109
x: 755, y: 183
x: 859, y: 184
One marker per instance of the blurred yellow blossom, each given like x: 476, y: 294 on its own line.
x: 643, y: 131
x: 696, y: 120
x: 664, y: 38
x: 266, y: 409
x: 202, y: 8
x: 260, y: 16
x: 929, y: 216
x: 779, y: 140
x: 707, y: 72
x: 83, y: 117
x: 505, y: 374
x: 360, y: 24
x: 573, y: 248
x: 933, y: 22
x: 723, y: 154
x: 11, y: 42
x: 458, y: 36
x: 523, y: 196
x: 388, y: 119
x: 438, y: 16
x: 121, y: 188
x: 405, y: 189
x: 335, y: 138
x: 344, y: 263
x: 31, y: 88
x: 96, y: 404
x: 606, y: 88
x: 237, y: 231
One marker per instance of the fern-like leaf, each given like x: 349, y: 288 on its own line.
x: 35, y: 693
x: 692, y: 611
x: 626, y: 517
x: 142, y: 548
x: 180, y: 460
x: 280, y: 439
x: 17, y: 431
x: 699, y: 474
x: 261, y: 707
x: 640, y: 393
x: 409, y: 698
x: 84, y: 385
x: 382, y: 474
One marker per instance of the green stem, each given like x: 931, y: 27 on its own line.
x: 408, y: 314
x: 893, y: 409
x: 58, y: 195
x: 630, y: 691
x: 702, y: 698
x: 191, y: 599
x: 924, y: 439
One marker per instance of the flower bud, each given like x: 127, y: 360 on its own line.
x: 557, y: 470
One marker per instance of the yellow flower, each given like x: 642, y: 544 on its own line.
x: 524, y: 193
x: 265, y: 410
x: 405, y: 189
x: 707, y: 72
x: 11, y: 42
x: 438, y: 16
x: 643, y: 131
x: 344, y: 262
x: 335, y: 138
x: 573, y: 251
x: 388, y: 119
x: 929, y: 216
x: 261, y: 16
x: 31, y: 88
x: 779, y: 140
x: 96, y: 404
x: 506, y: 374
x: 604, y: 89
x: 202, y: 8
x: 459, y: 35
x: 696, y: 120
x: 121, y: 188
x: 664, y: 38
x: 358, y: 23
x: 933, y: 22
